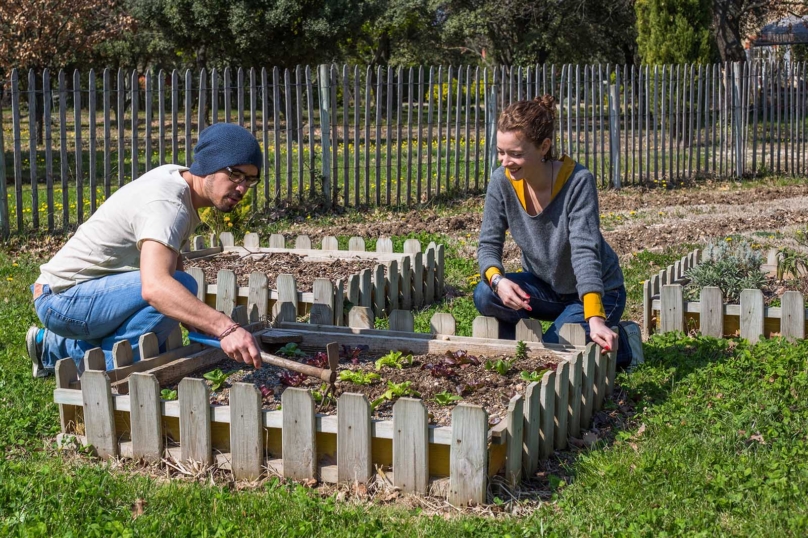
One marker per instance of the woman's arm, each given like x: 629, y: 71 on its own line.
x: 585, y: 241
x: 492, y: 231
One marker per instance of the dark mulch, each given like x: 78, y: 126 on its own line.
x: 274, y: 264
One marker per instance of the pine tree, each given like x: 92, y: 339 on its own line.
x: 674, y: 31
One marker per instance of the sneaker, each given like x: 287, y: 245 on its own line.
x: 34, y: 349
x: 634, y: 334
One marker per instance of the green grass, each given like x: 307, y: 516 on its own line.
x: 719, y: 446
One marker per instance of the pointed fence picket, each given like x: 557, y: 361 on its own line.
x: 299, y: 443
x: 664, y: 307
x: 400, y: 280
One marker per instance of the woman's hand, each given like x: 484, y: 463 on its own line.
x: 601, y: 334
x: 512, y: 295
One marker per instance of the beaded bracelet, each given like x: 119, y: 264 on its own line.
x: 230, y: 330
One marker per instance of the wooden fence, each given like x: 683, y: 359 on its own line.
x: 350, y: 446
x: 664, y: 307
x: 400, y: 281
x: 382, y: 136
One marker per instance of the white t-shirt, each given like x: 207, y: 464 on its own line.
x: 156, y: 206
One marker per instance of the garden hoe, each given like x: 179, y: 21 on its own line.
x: 328, y: 375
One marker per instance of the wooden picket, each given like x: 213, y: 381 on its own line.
x: 392, y: 285
x: 463, y: 452
x: 664, y: 307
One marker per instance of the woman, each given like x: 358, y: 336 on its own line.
x: 550, y: 205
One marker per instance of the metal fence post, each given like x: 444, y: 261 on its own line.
x: 324, y: 85
x: 614, y: 133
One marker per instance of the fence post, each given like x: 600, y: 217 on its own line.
x: 491, y: 127
x: 324, y: 85
x: 736, y: 99
x: 614, y: 132
x: 4, y: 222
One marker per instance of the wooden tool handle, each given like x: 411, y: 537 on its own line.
x: 328, y: 376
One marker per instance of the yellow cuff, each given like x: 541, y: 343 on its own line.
x: 593, y: 306
x: 490, y: 272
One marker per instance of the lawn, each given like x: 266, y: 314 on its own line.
x: 712, y: 439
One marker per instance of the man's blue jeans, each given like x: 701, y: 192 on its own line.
x: 548, y: 305
x: 98, y: 313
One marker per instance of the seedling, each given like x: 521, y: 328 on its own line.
x: 358, y: 377
x: 395, y: 391
x: 446, y: 398
x: 348, y: 353
x: 439, y: 370
x: 168, y: 394
x: 502, y: 367
x: 460, y: 358
x: 322, y: 396
x: 292, y: 380
x: 217, y: 378
x: 291, y: 350
x: 469, y: 387
x: 532, y: 377
x: 320, y: 360
x: 521, y: 350
x: 394, y: 359
x: 266, y: 393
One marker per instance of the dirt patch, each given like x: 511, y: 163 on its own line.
x: 708, y: 193
x: 455, y: 374
x: 274, y: 264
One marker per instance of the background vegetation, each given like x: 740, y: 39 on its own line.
x: 144, y: 34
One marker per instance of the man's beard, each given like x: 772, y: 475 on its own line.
x: 219, y: 206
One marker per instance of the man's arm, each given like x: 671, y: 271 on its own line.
x: 169, y: 297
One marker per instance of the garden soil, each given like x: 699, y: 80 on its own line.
x: 474, y: 383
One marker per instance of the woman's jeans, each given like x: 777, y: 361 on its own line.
x: 98, y: 313
x: 548, y: 305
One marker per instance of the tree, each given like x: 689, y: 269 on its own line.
x: 674, y: 31
x: 397, y: 33
x: 513, y: 32
x: 735, y: 20
x: 251, y: 33
x: 35, y: 34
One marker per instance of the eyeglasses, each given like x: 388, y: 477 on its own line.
x: 238, y: 177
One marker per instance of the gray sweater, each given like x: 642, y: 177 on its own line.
x: 562, y: 245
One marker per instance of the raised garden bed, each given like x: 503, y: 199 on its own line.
x: 664, y: 307
x: 413, y: 452
x: 383, y: 280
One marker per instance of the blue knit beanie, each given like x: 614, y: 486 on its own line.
x: 222, y: 145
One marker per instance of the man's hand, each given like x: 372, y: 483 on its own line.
x: 240, y: 346
x: 601, y: 334
x: 512, y: 295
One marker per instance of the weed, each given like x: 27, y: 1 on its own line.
x: 168, y: 394
x: 521, y: 351
x: 789, y: 261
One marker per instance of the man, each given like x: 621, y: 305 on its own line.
x: 120, y: 275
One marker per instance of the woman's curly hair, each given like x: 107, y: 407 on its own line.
x: 535, y: 119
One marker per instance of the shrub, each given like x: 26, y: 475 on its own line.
x: 731, y: 266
